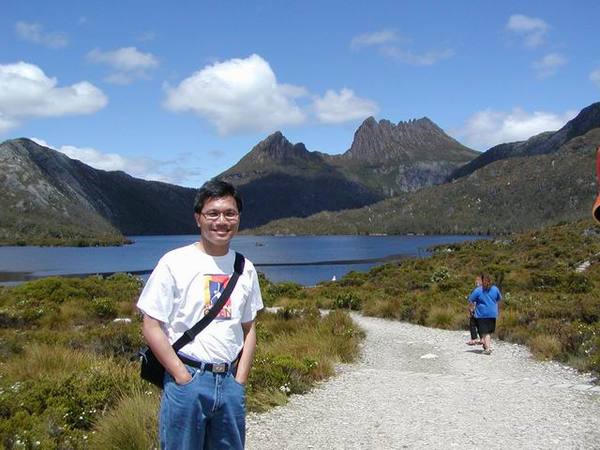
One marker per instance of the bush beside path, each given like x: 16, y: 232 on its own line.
x: 418, y: 387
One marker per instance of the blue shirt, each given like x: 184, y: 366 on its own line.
x: 486, y: 302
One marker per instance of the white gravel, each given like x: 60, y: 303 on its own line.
x: 418, y: 387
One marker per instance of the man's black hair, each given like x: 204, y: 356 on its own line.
x: 216, y: 188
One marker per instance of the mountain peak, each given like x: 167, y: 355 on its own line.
x: 588, y: 118
x: 274, y: 153
x: 414, y: 139
x: 425, y: 122
x: 277, y: 147
x: 277, y: 136
x: 370, y: 121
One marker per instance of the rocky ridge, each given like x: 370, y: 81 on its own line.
x: 541, y: 144
x: 49, y: 194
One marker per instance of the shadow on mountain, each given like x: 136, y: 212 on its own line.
x: 279, y: 195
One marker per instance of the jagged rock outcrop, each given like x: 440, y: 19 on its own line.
x: 390, y: 159
x: 414, y: 140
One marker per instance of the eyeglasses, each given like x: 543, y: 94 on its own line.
x: 229, y: 215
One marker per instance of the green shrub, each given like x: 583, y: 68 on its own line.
x: 104, y: 307
x: 114, y: 339
x: 347, y: 300
x: 287, y: 313
x: 544, y: 281
x: 577, y: 283
x: 353, y: 279
x: 54, y: 395
x: 588, y: 348
x: 63, y: 300
x: 288, y: 289
x: 440, y: 274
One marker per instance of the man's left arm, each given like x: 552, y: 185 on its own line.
x: 245, y: 362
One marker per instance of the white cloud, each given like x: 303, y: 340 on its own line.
x: 238, y: 95
x: 7, y: 123
x: 595, y: 77
x: 146, y: 36
x: 217, y: 153
x: 549, y: 64
x: 488, y: 128
x: 176, y: 171
x: 34, y: 32
x: 532, y: 29
x: 128, y: 63
x: 417, y: 59
x: 375, y: 38
x: 26, y: 91
x: 343, y: 107
x: 390, y: 45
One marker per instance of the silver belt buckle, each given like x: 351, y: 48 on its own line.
x: 219, y: 368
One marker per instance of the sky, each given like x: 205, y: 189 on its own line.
x: 181, y: 91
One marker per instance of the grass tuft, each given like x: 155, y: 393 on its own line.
x: 544, y: 346
x: 441, y: 317
x: 131, y: 425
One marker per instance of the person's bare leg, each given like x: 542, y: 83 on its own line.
x: 487, y: 341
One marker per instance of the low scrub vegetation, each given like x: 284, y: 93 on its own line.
x: 68, y: 380
x: 113, y: 240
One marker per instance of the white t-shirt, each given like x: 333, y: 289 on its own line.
x: 181, y: 290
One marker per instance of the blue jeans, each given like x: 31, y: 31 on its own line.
x: 208, y: 412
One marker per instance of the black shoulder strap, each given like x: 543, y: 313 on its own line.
x: 189, y: 335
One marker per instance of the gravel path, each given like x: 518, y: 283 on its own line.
x: 418, y: 387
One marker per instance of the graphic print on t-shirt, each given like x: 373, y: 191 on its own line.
x: 213, y: 286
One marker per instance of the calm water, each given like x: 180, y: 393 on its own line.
x: 276, y: 256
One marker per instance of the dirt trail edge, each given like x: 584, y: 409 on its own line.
x: 418, y: 387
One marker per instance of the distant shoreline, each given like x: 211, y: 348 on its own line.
x: 19, y: 277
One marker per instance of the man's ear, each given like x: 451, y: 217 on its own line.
x: 197, y: 218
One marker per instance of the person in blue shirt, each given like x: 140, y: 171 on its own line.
x: 475, y: 337
x: 485, y: 302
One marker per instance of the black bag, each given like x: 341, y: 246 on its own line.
x: 151, y: 368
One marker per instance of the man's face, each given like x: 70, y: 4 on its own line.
x: 219, y: 221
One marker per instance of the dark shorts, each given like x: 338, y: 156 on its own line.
x: 486, y: 325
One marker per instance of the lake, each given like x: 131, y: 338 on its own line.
x: 302, y: 259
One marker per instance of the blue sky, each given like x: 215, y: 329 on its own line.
x: 180, y: 91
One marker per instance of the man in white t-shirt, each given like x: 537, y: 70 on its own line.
x: 203, y: 402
